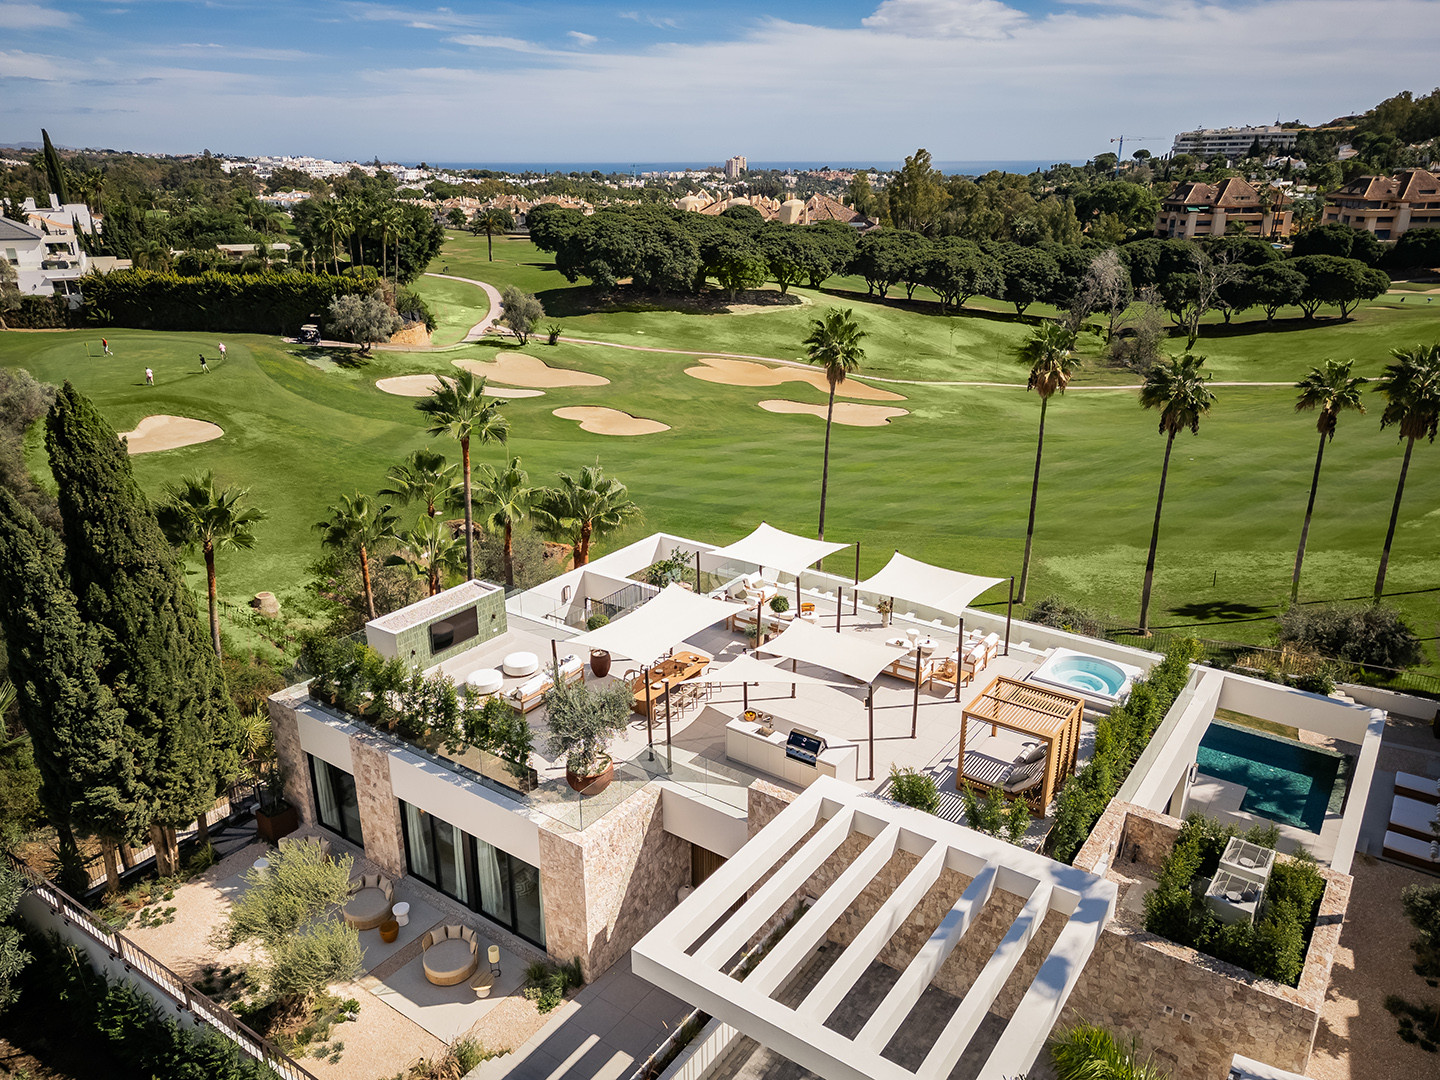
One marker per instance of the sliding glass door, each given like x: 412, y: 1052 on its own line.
x: 336, y: 804
x: 478, y: 874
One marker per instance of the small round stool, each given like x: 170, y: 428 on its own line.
x: 519, y: 664
x: 484, y: 681
x: 401, y: 913
x: 389, y: 930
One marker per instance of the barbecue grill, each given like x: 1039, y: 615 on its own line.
x: 804, y: 747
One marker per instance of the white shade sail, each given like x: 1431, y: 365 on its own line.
x: 777, y: 549
x: 658, y: 626
x: 847, y: 654
x: 747, y: 669
x: 933, y: 586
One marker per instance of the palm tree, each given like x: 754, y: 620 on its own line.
x: 197, y: 515
x: 423, y: 478
x: 1411, y: 387
x: 505, y: 499
x: 1180, y: 393
x: 1329, y: 390
x: 1048, y: 352
x: 582, y: 510
x: 427, y: 550
x: 356, y: 215
x: 834, y: 344
x: 459, y: 409
x: 389, y: 218
x: 358, y: 522
x: 331, y: 219
x: 491, y: 220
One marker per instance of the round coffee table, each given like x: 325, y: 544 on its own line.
x: 518, y: 664
x: 484, y: 681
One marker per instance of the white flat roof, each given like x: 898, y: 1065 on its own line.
x: 432, y: 607
x: 760, y: 881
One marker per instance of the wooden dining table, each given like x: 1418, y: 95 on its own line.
x: 671, y: 671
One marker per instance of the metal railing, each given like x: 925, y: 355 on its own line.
x: 177, y: 990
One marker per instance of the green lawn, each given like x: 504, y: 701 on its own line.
x: 948, y: 483
x: 456, y: 306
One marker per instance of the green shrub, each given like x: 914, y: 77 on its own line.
x: 910, y: 788
x: 413, y: 308
x: 1361, y: 634
x: 546, y: 984
x: 1422, y: 907
x: 42, y: 313
x: 1090, y: 1052
x: 599, y: 619
x: 779, y: 604
x: 1052, y: 611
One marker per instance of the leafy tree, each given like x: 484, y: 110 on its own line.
x: 1272, y: 287
x: 916, y: 196
x: 787, y: 252
x: 882, y: 258
x: 491, y: 220
x: 862, y: 195
x: 1371, y: 634
x: 54, y: 168
x: 363, y: 319
x: 521, y: 312
x: 128, y: 583
x: 956, y: 269
x: 505, y: 499
x: 833, y: 344
x: 1340, y: 241
x: 1411, y: 388
x: 1342, y: 282
x: 13, y: 956
x: 456, y: 218
x: 425, y: 478
x: 9, y: 292
x: 1327, y: 391
x: 1179, y: 392
x: 1105, y: 286
x: 197, y: 516
x: 1049, y: 352
x: 357, y: 523
x: 581, y: 721
x: 1421, y: 904
x: 1027, y: 275
x: 459, y: 409
x: 427, y: 551
x: 582, y: 509
x: 83, y: 749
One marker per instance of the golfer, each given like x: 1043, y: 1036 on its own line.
x: 149, y: 377
x: 106, y: 346
x: 222, y: 350
x: 204, y: 364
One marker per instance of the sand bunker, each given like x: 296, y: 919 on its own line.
x: 604, y: 421
x: 424, y: 386
x: 165, y: 432
x: 748, y: 373
x: 517, y: 369
x: 846, y: 412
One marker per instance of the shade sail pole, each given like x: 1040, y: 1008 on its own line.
x: 697, y: 570
x: 1009, y: 608
x: 960, y: 657
x: 667, y: 714
x: 855, y: 598
x: 915, y: 709
x: 839, y: 602
x: 870, y: 709
x: 649, y: 730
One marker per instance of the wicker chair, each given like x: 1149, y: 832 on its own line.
x: 371, y: 897
x: 449, y: 954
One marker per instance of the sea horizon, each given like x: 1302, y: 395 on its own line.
x: 965, y: 168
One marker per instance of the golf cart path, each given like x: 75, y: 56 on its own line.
x: 488, y: 323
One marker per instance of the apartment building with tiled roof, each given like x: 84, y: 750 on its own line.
x: 1199, y: 209
x: 1387, y: 206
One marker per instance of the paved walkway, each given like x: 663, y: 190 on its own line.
x: 603, y: 1033
x: 477, y: 331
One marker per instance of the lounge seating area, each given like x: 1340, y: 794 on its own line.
x: 450, y: 954
x: 1412, y: 817
x: 372, y: 897
x: 531, y: 693
x: 1040, y: 745
x: 1005, y: 760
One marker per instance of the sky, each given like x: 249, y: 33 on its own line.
x: 801, y: 80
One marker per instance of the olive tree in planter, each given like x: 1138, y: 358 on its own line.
x: 582, y: 722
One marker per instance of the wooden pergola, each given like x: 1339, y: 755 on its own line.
x: 1049, y: 715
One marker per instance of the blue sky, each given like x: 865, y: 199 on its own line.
x: 799, y: 80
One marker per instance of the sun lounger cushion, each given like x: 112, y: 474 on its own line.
x: 1424, y: 788
x: 1035, y: 753
x: 1413, y: 816
x: 1410, y: 848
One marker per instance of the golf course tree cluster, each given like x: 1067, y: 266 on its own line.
x: 365, y: 223
x: 117, y: 684
x: 496, y: 500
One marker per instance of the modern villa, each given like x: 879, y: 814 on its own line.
x: 748, y: 796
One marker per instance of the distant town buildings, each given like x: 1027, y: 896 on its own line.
x: 1387, y: 206
x: 790, y: 212
x: 734, y: 167
x: 1234, y: 142
x: 1199, y: 209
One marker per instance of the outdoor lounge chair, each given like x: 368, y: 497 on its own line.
x: 449, y: 954
x: 371, y: 897
x: 532, y: 691
x: 1414, y: 852
x: 1417, y: 787
x: 1015, y: 767
x: 1411, y: 817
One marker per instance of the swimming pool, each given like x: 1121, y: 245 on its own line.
x: 1285, y: 781
x: 1102, y: 683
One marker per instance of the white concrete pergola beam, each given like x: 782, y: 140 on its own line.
x: 906, y: 992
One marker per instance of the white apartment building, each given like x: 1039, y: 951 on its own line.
x: 734, y: 167
x: 1233, y: 142
x: 44, y: 248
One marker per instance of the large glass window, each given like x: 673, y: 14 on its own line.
x: 478, y: 874
x: 336, y: 804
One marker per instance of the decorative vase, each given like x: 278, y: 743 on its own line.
x: 592, y: 783
x: 599, y: 663
x: 884, y: 618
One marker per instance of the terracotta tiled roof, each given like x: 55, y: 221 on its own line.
x: 1412, y: 185
x: 1232, y: 193
x: 824, y: 208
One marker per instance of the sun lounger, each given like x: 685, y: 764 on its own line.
x: 1015, y: 766
x: 904, y: 669
x: 530, y: 693
x: 1411, y: 817
x: 1417, y: 787
x: 1408, y: 849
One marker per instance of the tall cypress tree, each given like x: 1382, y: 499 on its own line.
x: 87, y: 772
x: 55, y: 169
x: 129, y: 585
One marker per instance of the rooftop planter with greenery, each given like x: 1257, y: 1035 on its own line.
x: 428, y: 711
x: 1273, y: 947
x: 1120, y: 739
x: 582, y: 721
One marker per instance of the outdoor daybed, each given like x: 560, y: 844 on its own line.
x: 1005, y: 760
x: 1409, y: 850
x: 1411, y: 817
x: 998, y: 728
x: 530, y: 693
x: 1424, y: 788
x: 449, y: 954
x: 370, y: 899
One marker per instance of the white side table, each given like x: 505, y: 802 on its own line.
x: 261, y: 866
x: 401, y: 913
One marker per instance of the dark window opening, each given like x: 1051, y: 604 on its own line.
x: 462, y: 626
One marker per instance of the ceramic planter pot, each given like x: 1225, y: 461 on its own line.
x: 599, y: 663
x: 594, y: 783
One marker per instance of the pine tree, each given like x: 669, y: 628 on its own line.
x: 87, y: 771
x: 128, y: 583
x: 54, y: 169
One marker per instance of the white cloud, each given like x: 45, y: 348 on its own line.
x: 442, y: 18
x: 32, y: 17
x: 945, y: 18
x: 660, y: 22
x: 492, y: 41
x: 23, y: 65
x: 582, y: 38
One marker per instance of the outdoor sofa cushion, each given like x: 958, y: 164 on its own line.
x: 370, y: 899
x: 450, y: 954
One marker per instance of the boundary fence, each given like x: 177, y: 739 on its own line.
x: 135, y: 959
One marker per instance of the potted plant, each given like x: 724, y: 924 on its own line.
x: 886, y: 608
x: 599, y: 658
x: 274, y: 816
x: 582, y: 721
x: 779, y: 604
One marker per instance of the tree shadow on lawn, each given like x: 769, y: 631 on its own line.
x: 342, y: 358
x: 1221, y: 611
x: 592, y: 300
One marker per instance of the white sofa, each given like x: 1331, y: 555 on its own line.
x: 532, y: 691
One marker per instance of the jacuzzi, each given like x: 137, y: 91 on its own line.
x: 1102, y: 683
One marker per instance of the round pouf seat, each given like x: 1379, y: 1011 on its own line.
x: 484, y: 681
x: 521, y: 663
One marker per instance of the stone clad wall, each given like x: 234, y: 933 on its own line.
x: 379, y: 810
x: 293, y: 766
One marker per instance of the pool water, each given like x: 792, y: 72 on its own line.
x: 1085, y: 673
x: 1286, y: 781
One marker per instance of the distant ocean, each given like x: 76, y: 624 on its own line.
x: 967, y: 168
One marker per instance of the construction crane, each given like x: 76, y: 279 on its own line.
x: 1120, y: 154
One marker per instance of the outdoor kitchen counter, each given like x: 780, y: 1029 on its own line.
x: 744, y: 744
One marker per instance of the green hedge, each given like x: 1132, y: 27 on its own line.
x: 42, y: 313
x: 1120, y: 739
x: 272, y: 302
